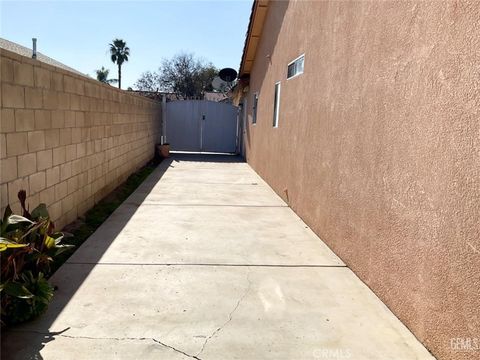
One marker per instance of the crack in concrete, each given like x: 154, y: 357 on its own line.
x: 230, y: 315
x: 175, y: 349
x: 196, y: 357
x: 112, y: 338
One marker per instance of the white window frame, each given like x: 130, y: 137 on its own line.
x: 293, y: 61
x: 276, y: 107
x: 255, y: 108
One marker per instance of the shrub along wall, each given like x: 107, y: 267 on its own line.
x: 66, y: 139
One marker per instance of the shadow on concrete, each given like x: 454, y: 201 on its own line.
x: 17, y: 342
x: 200, y: 157
x: 36, y: 333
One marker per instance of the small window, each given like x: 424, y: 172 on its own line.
x: 276, y: 104
x: 295, y: 67
x: 255, y: 103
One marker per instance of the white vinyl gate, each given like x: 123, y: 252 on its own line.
x: 201, y: 126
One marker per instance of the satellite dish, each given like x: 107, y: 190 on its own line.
x: 219, y: 84
x: 227, y: 74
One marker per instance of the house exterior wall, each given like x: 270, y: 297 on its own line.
x: 66, y: 139
x: 378, y: 149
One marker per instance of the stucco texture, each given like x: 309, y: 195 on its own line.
x: 378, y: 149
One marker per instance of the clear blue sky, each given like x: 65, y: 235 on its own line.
x: 77, y: 33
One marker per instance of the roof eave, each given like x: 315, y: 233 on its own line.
x: 255, y: 27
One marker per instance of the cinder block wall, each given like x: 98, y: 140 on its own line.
x: 66, y: 139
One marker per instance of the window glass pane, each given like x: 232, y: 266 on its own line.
x: 296, y: 67
x: 300, y: 65
x: 255, y: 102
x: 291, y: 70
x: 276, y: 104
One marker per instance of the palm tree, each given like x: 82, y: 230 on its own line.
x: 102, y: 75
x: 119, y: 53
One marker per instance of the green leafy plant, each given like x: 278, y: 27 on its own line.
x: 26, y: 299
x: 28, y: 245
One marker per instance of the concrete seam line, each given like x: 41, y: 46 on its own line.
x: 207, y: 183
x: 213, y: 205
x: 207, y: 264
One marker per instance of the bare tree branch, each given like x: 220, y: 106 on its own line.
x: 183, y: 75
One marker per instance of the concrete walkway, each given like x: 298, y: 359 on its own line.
x: 205, y: 261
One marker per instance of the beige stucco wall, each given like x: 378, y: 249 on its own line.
x: 66, y: 139
x: 378, y: 148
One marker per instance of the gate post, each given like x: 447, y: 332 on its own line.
x: 164, y: 119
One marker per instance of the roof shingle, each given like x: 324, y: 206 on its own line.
x: 24, y: 51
